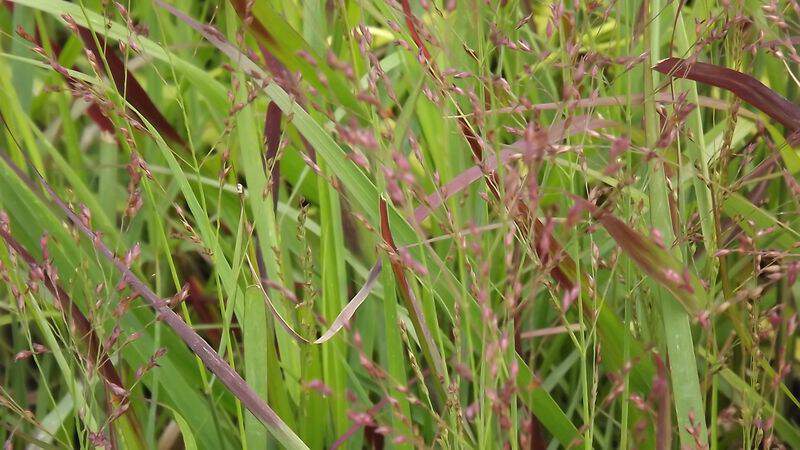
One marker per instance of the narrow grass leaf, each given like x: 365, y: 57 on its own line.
x: 652, y: 259
x: 429, y: 349
x: 743, y: 86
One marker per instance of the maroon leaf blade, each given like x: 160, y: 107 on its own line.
x: 743, y: 86
x: 129, y: 87
x: 99, y: 118
x: 272, y: 138
x: 651, y: 258
x: 415, y: 312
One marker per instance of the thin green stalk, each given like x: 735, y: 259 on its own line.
x: 688, y: 400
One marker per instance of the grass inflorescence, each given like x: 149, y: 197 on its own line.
x: 399, y: 224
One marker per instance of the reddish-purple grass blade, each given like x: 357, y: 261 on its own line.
x: 99, y: 118
x: 472, y: 140
x: 427, y: 343
x: 254, y: 24
x: 412, y: 29
x: 272, y: 138
x: 649, y: 257
x: 743, y: 86
x: 206, y: 308
x: 126, y: 84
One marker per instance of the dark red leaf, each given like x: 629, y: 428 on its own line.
x: 472, y: 140
x: 427, y: 343
x: 272, y: 138
x: 653, y: 260
x: 743, y: 86
x: 253, y: 23
x: 127, y: 85
x: 412, y: 29
x: 98, y: 117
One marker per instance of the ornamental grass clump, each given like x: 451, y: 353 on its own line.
x: 402, y: 224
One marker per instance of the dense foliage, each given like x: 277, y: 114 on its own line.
x: 399, y: 224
